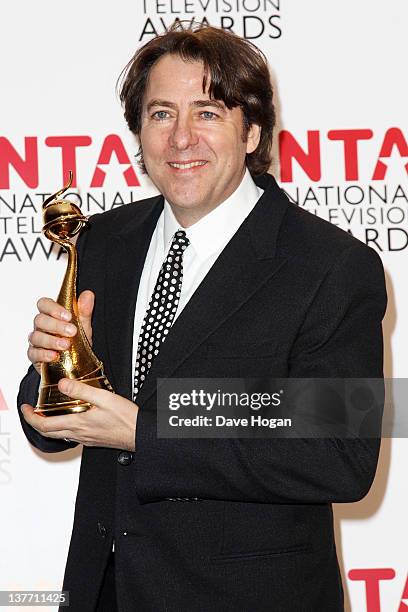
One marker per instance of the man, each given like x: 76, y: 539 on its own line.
x: 261, y: 288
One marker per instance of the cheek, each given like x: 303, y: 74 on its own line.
x: 153, y: 143
x: 226, y: 142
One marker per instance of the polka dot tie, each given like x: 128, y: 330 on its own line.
x: 161, y: 310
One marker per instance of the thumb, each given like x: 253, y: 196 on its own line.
x: 86, y: 302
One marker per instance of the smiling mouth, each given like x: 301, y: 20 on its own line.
x: 187, y: 165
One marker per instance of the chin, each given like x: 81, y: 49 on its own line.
x: 186, y: 204
x: 184, y: 200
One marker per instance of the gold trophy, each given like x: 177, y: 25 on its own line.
x: 62, y: 221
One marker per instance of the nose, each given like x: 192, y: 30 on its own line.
x: 183, y: 134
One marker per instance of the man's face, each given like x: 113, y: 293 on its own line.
x: 193, y: 147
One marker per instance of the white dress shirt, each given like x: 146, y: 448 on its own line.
x: 208, y: 237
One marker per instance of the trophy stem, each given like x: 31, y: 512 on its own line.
x: 67, y: 295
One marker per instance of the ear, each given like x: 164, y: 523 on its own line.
x: 253, y: 138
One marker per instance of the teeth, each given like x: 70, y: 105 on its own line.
x: 185, y: 166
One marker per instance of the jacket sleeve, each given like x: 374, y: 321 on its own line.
x: 341, y: 337
x: 28, y: 394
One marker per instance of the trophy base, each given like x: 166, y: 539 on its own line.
x: 51, y: 402
x: 72, y: 407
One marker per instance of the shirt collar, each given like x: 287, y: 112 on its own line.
x: 212, y: 232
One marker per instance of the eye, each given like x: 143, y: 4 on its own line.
x: 208, y: 115
x: 160, y: 115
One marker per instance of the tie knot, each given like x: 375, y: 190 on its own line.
x: 180, y: 241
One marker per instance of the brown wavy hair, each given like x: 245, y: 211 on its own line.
x: 236, y: 70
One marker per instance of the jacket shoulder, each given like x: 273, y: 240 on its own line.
x: 321, y: 251
x: 311, y: 239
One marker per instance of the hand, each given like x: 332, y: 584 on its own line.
x: 52, y: 329
x: 110, y: 422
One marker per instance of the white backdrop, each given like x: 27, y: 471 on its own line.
x: 341, y: 95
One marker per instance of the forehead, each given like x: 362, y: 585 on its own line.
x: 171, y: 75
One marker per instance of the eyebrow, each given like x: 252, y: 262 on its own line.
x: 196, y: 104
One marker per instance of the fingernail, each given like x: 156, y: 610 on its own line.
x: 70, y: 330
x: 65, y: 315
x: 62, y: 344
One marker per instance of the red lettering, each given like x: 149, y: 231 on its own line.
x: 114, y: 145
x: 289, y: 149
x: 26, y: 168
x: 403, y: 607
x: 68, y: 146
x: 350, y: 139
x: 3, y: 405
x: 372, y: 578
x: 393, y: 138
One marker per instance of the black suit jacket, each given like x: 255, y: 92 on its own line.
x: 290, y: 295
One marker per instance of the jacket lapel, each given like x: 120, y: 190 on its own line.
x: 248, y: 261
x: 127, y: 253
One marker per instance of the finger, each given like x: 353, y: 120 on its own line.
x: 31, y: 418
x: 50, y: 307
x: 38, y: 421
x: 48, y: 324
x: 39, y: 339
x: 51, y: 426
x: 86, y: 302
x: 38, y: 355
x: 82, y: 391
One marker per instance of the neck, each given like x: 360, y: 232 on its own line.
x: 187, y: 218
